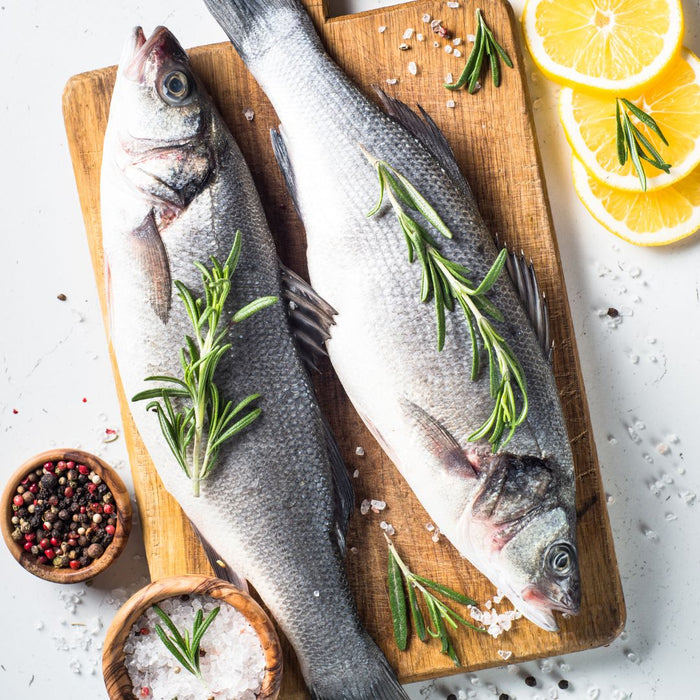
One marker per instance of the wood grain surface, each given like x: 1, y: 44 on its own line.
x: 493, y: 138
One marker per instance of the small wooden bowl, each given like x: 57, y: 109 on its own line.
x: 114, y: 670
x: 121, y: 500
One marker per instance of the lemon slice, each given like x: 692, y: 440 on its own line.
x: 642, y: 218
x: 603, y: 45
x: 674, y: 103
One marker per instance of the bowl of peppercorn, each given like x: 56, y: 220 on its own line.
x: 66, y: 515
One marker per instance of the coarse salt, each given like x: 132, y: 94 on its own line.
x: 232, y: 667
x: 408, y: 33
x: 404, y: 47
x: 392, y: 81
x: 413, y: 68
x: 429, y: 527
x: 381, y: 29
x: 360, y: 451
x: 364, y: 507
x: 448, y: 48
x: 456, y: 41
x: 426, y: 18
x: 356, y: 474
x: 420, y: 37
x: 453, y: 5
x: 449, y: 78
x: 471, y: 38
x: 377, y: 506
x: 249, y: 114
x: 505, y: 655
x: 457, y: 53
x: 451, y: 104
x: 436, y: 44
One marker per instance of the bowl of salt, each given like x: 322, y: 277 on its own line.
x: 192, y: 637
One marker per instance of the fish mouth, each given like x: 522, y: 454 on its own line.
x: 540, y: 609
x: 160, y: 46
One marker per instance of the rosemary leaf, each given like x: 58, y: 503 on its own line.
x: 196, y: 427
x: 446, y: 591
x: 417, y: 615
x: 397, y: 602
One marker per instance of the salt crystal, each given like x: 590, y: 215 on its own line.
x: 429, y: 527
x: 640, y: 425
x: 426, y: 18
x: 634, y: 359
x: 634, y: 272
x: 453, y: 5
x: 381, y: 29
x: 457, y: 53
x: 609, y: 499
x: 353, y: 550
x: 412, y: 68
x: 662, y: 448
x: 382, y: 524
x: 392, y: 81
x: 249, y: 114
x: 436, y: 44
x: 471, y: 38
x: 377, y: 505
x: 672, y: 438
x: 39, y: 625
x: 670, y: 517
x: 456, y: 41
x: 498, y: 598
x: 650, y: 534
x: 689, y: 497
x: 449, y: 78
x: 505, y: 655
x: 435, y: 537
x: 364, y: 507
x: 408, y: 33
x: 488, y: 605
x: 448, y: 48
x: 356, y: 474
x: 360, y: 451
x: 631, y: 656
x: 317, y: 594
x: 553, y: 693
x: 389, y: 529
x: 461, y: 695
x: 451, y: 104
x: 593, y: 693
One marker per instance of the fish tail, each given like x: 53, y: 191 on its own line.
x: 253, y: 25
x: 362, y: 679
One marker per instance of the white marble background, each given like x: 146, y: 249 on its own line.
x: 640, y: 374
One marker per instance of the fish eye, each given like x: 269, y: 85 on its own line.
x: 175, y: 88
x: 561, y: 559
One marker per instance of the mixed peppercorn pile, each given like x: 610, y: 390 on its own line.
x: 64, y: 515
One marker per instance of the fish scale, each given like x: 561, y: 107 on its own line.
x: 419, y: 403
x: 270, y: 507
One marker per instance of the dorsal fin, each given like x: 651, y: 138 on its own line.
x: 427, y: 132
x: 310, y: 316
x: 344, y: 493
x: 221, y: 569
x: 279, y: 148
x: 522, y: 273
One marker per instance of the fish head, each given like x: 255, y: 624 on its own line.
x: 523, y: 528
x: 162, y: 119
x: 543, y: 572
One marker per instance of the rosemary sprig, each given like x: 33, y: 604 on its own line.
x: 485, y: 45
x: 196, y: 432
x: 447, y: 282
x: 440, y: 615
x: 183, y: 646
x: 631, y: 142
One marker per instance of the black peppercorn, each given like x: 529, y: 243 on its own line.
x: 531, y: 681
x: 563, y: 684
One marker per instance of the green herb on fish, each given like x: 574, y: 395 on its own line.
x: 196, y: 433
x: 446, y: 282
x: 631, y: 142
x: 183, y: 646
x: 485, y: 44
x: 440, y: 615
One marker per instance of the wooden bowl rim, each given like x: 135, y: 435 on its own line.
x: 121, y: 498
x: 116, y: 677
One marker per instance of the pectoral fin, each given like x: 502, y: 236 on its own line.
x: 152, y: 259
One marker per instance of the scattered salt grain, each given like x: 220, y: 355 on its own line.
x: 436, y: 44
x: 672, y: 438
x: 233, y: 666
x: 408, y: 33
x: 381, y: 29
x: 453, y: 5
x: 413, y: 68
x: 662, y: 448
x: 448, y: 48
x: 488, y: 604
x: 426, y: 18
x: 670, y: 517
x: 392, y: 81
x: 388, y: 528
x: 505, y: 655
x: 457, y: 53
x: 364, y: 507
x: 435, y: 537
x: 429, y: 527
x: 456, y: 41
x: 451, y: 104
x: 317, y: 594
x: 593, y: 693
x: 377, y: 506
x: 404, y: 47
x: 75, y: 666
x: 249, y: 114
x: 650, y: 534
x: 449, y: 78
x: 498, y: 597
x: 471, y: 38
x: 353, y: 550
x: 689, y: 497
x: 356, y: 474
x: 360, y: 451
x: 420, y: 37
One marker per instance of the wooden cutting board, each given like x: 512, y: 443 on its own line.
x: 493, y: 137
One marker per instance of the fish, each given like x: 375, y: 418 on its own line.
x: 512, y: 512
x: 174, y: 190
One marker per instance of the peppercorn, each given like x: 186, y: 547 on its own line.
x: 531, y: 681
x: 17, y: 534
x: 25, y: 527
x: 95, y: 550
x: 563, y: 684
x: 48, y: 481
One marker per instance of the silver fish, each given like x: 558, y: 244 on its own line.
x: 174, y: 190
x: 512, y: 514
